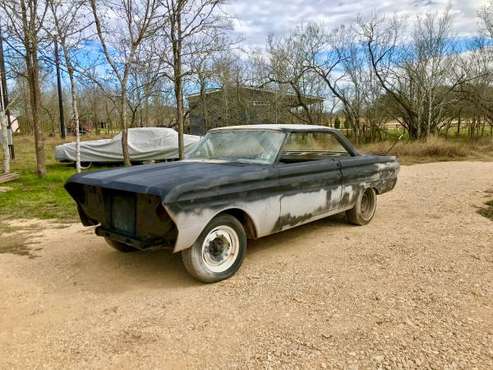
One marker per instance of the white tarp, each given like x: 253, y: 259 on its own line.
x: 144, y: 144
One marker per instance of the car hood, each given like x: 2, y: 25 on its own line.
x: 173, y: 180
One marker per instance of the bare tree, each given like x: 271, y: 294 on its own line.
x: 184, y: 24
x: 336, y: 57
x: 24, y: 24
x: 417, y: 72
x: 485, y: 15
x: 289, y: 67
x: 136, y: 21
x: 203, y: 64
x: 70, y: 21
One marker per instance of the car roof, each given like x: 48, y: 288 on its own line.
x: 277, y: 127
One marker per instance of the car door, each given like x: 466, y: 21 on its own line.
x: 310, y: 180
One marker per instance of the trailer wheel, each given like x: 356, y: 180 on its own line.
x: 218, y: 252
x: 84, y: 165
x: 121, y: 247
x: 364, y: 209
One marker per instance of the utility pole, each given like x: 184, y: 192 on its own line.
x: 5, y: 98
x: 59, y: 88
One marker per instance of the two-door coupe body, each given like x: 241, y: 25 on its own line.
x: 240, y: 182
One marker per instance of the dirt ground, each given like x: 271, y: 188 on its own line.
x: 413, y: 289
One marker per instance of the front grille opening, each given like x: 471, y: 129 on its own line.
x: 123, y: 212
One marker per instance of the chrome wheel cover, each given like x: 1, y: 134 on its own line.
x: 220, y: 248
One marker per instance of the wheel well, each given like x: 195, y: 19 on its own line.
x: 245, y: 220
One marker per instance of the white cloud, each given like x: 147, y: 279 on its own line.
x: 255, y: 19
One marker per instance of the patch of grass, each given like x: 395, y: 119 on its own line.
x: 34, y: 197
x: 434, y: 149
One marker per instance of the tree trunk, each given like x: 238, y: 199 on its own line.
x: 75, y: 113
x: 5, y: 98
x: 35, y: 99
x: 4, y: 129
x: 179, y: 112
x: 31, y: 56
x: 123, y: 117
x: 430, y: 111
x: 176, y: 31
x: 5, y: 142
x: 458, y: 123
x: 203, y: 106
x: 63, y: 132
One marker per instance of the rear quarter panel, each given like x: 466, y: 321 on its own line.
x: 364, y: 171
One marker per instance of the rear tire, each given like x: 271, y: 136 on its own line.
x: 121, y: 247
x: 218, y: 252
x: 364, y: 210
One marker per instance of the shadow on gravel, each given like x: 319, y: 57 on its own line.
x: 285, y: 237
x: 163, y: 269
x: 487, y: 209
x: 106, y: 270
x: 18, y: 246
x: 16, y: 240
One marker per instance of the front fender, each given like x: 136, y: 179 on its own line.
x: 190, y: 221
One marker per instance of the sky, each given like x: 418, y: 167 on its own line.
x: 255, y: 19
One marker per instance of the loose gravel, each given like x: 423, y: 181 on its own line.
x: 413, y: 289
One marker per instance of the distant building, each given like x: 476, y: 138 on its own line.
x: 246, y: 105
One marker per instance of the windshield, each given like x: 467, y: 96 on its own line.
x: 251, y: 146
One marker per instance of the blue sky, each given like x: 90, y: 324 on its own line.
x: 257, y: 18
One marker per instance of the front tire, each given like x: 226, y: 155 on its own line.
x: 121, y: 247
x: 218, y: 252
x: 364, y: 209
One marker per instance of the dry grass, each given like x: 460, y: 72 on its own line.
x: 433, y: 150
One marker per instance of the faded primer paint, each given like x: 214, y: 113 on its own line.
x: 264, y: 213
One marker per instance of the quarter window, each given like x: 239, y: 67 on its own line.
x: 310, y: 146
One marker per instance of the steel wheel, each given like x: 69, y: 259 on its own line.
x: 220, y: 248
x: 368, y: 204
x: 364, y: 209
x: 218, y: 252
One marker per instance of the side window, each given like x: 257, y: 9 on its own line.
x: 311, y: 146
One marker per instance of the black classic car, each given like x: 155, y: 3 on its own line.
x: 241, y: 182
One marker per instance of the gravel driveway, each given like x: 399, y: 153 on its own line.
x: 412, y: 289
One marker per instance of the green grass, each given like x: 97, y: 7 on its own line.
x: 35, y: 197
